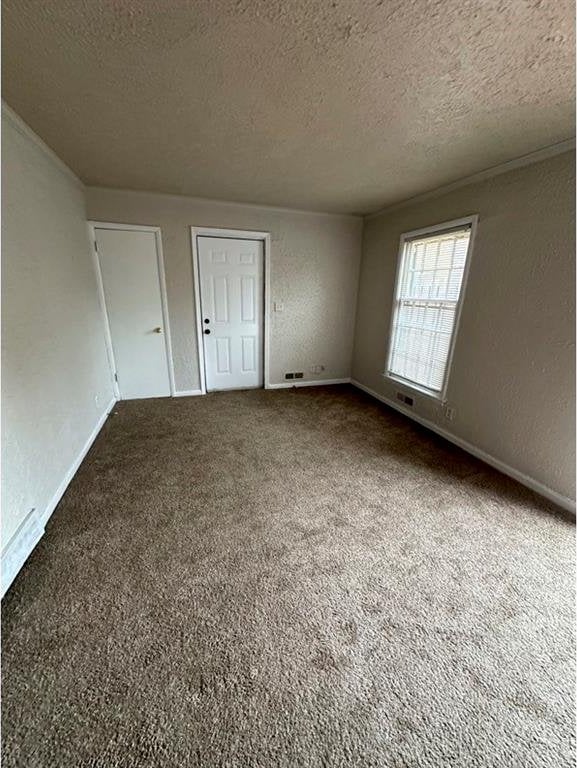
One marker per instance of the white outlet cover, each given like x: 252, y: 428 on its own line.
x: 278, y: 306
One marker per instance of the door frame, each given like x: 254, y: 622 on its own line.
x: 94, y: 225
x: 235, y: 234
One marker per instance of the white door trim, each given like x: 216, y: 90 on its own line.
x: 236, y: 234
x: 92, y: 226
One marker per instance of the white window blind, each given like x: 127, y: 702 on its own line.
x: 428, y: 288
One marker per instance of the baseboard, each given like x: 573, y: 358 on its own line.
x: 282, y: 385
x: 77, y: 462
x: 32, y: 527
x: 563, y: 501
x: 18, y: 549
x: 301, y: 383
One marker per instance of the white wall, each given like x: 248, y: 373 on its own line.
x: 512, y: 382
x: 55, y: 377
x: 315, y: 262
x: 513, y: 376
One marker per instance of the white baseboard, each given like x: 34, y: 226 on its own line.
x: 563, y: 501
x: 31, y: 529
x: 77, y: 462
x: 301, y: 383
x: 16, y: 552
x: 188, y: 393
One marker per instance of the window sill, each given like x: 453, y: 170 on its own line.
x: 438, y: 397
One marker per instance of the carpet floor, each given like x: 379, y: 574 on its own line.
x: 290, y: 578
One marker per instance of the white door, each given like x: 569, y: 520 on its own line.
x: 231, y: 296
x: 131, y: 273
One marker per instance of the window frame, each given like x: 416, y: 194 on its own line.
x: 471, y: 221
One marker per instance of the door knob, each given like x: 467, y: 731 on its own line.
x: 158, y: 330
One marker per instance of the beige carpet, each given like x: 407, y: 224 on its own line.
x: 290, y: 578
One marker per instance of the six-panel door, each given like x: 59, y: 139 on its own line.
x: 231, y: 291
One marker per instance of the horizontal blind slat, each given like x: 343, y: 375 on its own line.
x: 429, y: 286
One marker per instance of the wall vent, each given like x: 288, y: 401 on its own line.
x: 405, y: 398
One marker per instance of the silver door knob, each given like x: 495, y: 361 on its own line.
x: 158, y: 330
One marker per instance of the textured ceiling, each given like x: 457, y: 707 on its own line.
x: 332, y: 105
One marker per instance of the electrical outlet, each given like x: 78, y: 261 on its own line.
x: 299, y: 375
x: 289, y: 375
x: 278, y: 306
x: 317, y: 368
x: 449, y: 413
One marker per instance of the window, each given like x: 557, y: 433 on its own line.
x: 430, y: 276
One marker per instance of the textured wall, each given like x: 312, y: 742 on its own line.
x: 55, y: 376
x: 314, y: 272
x: 513, y: 376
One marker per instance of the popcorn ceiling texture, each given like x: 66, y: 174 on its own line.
x: 290, y: 579
x: 333, y: 105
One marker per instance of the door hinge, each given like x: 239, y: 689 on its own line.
x: 116, y: 377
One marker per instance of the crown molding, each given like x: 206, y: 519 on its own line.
x: 532, y: 157
x: 495, y: 170
x: 25, y: 130
x: 230, y: 203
